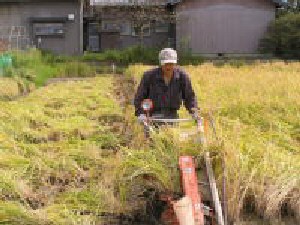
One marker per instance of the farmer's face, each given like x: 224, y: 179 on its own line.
x: 168, y: 68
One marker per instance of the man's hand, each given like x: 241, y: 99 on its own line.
x: 142, y: 118
x: 195, y: 116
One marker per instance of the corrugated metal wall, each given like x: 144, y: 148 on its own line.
x: 18, y: 14
x: 219, y: 26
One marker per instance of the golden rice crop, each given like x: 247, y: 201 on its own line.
x: 55, y: 145
x: 8, y: 88
x: 256, y: 108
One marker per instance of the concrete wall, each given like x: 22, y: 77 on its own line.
x: 223, y: 26
x: 19, y: 14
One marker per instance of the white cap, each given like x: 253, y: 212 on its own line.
x: 167, y: 55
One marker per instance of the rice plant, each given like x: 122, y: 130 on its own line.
x: 256, y: 109
x: 56, y: 147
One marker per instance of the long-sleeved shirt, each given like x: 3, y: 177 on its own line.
x: 165, y: 97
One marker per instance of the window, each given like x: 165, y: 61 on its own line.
x: 161, y: 27
x: 110, y: 25
x: 48, y: 29
x: 93, y: 28
x: 125, y: 28
x: 136, y: 31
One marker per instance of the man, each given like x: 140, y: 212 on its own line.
x: 167, y: 86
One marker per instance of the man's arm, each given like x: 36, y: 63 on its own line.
x: 188, y: 94
x: 141, y: 94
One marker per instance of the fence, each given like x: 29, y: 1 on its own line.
x: 14, y: 37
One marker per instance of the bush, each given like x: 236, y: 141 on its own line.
x: 76, y: 69
x: 131, y: 55
x: 189, y: 59
x: 50, y: 58
x: 139, y: 54
x: 30, y: 66
x: 37, y: 66
x: 283, y: 37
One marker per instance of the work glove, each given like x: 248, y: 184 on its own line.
x: 195, y: 116
x: 141, y: 118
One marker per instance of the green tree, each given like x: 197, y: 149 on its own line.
x: 283, y: 37
x: 288, y: 6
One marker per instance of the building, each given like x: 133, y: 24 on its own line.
x: 112, y: 23
x: 207, y: 27
x: 54, y: 25
x: 211, y: 27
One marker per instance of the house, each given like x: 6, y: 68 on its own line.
x: 112, y: 25
x: 206, y: 27
x: 54, y: 25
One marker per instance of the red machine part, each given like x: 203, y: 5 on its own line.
x: 169, y: 217
x: 189, y: 184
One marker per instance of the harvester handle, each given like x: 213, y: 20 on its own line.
x: 170, y: 120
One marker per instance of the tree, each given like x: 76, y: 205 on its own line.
x: 283, y: 37
x: 295, y: 4
x: 288, y: 6
x: 139, y: 12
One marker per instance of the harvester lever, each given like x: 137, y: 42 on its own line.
x: 203, y: 183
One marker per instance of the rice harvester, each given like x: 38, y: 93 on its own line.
x: 190, y: 209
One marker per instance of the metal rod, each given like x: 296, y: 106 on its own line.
x: 214, y: 190
x: 224, y: 186
x: 170, y: 120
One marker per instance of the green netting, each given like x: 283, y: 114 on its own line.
x: 5, y: 61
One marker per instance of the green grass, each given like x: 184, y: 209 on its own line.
x: 138, y: 54
x: 14, y: 213
x: 37, y: 67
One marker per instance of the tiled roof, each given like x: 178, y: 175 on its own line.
x: 154, y: 2
x: 24, y: 1
x: 131, y: 2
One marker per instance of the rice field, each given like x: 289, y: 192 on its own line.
x: 257, y: 112
x: 11, y: 88
x: 55, y: 145
x: 73, y: 151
